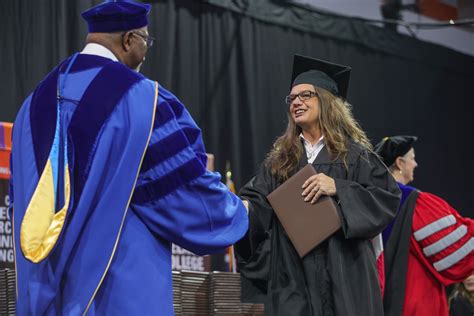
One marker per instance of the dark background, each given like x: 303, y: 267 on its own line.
x: 229, y: 61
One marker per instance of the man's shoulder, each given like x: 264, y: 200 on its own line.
x: 166, y: 95
x: 163, y: 93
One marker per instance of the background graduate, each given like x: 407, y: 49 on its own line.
x: 339, y: 277
x: 461, y: 301
x: 428, y: 246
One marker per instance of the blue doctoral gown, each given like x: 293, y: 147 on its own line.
x: 135, y: 165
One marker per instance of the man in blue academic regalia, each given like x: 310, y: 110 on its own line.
x: 109, y: 169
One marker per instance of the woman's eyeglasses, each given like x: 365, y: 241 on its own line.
x: 303, y: 96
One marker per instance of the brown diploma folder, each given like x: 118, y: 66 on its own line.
x: 306, y: 224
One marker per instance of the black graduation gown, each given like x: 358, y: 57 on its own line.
x: 460, y: 306
x: 396, y: 255
x: 272, y: 271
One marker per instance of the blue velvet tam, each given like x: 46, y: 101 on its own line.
x: 115, y: 16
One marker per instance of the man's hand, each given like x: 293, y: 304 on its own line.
x: 318, y: 185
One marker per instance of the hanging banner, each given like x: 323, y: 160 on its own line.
x: 6, y: 238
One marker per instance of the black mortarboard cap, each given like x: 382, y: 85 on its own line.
x: 395, y: 146
x: 320, y: 73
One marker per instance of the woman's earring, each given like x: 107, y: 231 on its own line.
x: 400, y: 171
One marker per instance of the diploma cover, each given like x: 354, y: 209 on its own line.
x: 306, y: 224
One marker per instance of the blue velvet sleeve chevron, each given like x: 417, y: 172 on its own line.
x: 176, y: 197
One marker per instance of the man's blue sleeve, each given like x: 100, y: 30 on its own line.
x: 176, y: 197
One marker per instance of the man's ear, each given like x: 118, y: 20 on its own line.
x: 127, y: 41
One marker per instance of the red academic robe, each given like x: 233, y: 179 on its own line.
x: 440, y: 253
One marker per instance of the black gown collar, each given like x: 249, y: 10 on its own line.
x: 323, y: 157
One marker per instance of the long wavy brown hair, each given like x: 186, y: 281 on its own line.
x: 337, y: 125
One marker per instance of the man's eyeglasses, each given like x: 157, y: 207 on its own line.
x: 147, y: 38
x: 303, y: 96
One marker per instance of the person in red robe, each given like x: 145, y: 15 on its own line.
x: 428, y: 245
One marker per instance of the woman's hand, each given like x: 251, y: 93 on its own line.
x: 318, y: 185
x: 246, y: 204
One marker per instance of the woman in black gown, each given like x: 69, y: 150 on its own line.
x: 339, y: 277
